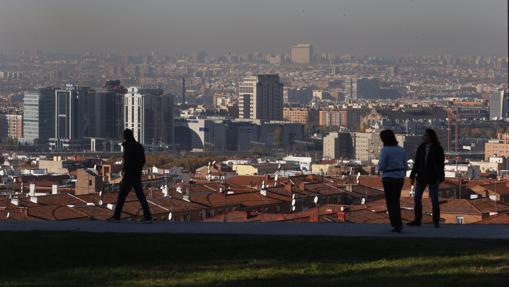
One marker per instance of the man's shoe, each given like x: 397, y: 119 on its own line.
x: 437, y: 224
x: 397, y: 229
x: 113, y: 219
x: 414, y: 223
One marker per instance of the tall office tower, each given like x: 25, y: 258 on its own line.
x: 499, y: 105
x: 302, y: 53
x: 158, y: 116
x: 337, y: 145
x: 261, y: 97
x: 89, y: 112
x: 134, y: 113
x: 67, y: 119
x: 362, y: 88
x: 109, y: 114
x: 38, y: 115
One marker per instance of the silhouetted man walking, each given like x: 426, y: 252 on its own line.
x: 134, y: 160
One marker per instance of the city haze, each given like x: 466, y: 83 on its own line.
x: 386, y: 28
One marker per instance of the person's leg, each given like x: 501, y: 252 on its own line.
x: 138, y: 188
x: 389, y: 199
x: 433, y: 194
x: 397, y: 208
x: 419, y: 190
x: 392, y: 200
x: 125, y: 187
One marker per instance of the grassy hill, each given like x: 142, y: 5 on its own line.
x: 87, y: 259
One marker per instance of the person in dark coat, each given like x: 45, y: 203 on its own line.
x: 428, y: 171
x: 134, y: 160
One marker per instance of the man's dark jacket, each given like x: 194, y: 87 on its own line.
x: 134, y: 159
x: 432, y: 170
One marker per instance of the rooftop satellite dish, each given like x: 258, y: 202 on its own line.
x: 293, y: 208
x: 100, y: 202
x: 8, y: 216
x: 279, y: 166
x: 179, y: 189
x: 363, y: 200
x: 263, y: 184
x: 293, y: 202
x: 293, y: 196
x: 170, y: 216
x: 315, y: 200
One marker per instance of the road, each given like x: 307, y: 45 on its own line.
x: 276, y: 228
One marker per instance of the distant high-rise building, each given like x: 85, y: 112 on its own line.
x: 158, y: 116
x: 109, y: 120
x: 38, y: 115
x: 302, y: 53
x: 261, y: 97
x: 67, y: 119
x: 499, y: 105
x: 362, y: 88
x: 11, y: 126
x: 337, y: 145
x: 149, y: 113
x: 367, y: 145
x: 134, y: 113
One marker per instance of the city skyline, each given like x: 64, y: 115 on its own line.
x: 220, y: 27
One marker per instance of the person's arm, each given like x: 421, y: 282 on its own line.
x: 404, y: 161
x: 142, y: 153
x: 125, y: 159
x: 415, y: 167
x: 382, y: 162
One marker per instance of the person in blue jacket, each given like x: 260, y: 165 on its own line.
x: 392, y: 167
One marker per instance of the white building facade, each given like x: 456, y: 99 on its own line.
x: 134, y: 113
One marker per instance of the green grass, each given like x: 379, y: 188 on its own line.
x: 85, y: 259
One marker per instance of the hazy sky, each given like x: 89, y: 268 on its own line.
x: 377, y: 27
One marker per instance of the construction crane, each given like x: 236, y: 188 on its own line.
x: 452, y: 119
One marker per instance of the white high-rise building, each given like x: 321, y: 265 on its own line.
x: 499, y: 105
x: 261, y: 97
x: 134, y: 110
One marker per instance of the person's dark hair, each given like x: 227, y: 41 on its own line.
x: 388, y: 138
x: 128, y: 134
x: 433, y: 137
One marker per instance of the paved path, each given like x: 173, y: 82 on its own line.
x: 276, y: 228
